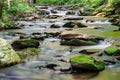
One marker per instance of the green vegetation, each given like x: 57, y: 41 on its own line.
x: 87, y: 62
x: 16, y: 9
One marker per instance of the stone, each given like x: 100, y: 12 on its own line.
x: 77, y: 42
x: 73, y: 36
x: 96, y: 52
x: 54, y: 26
x: 53, y: 11
x: 25, y: 43
x: 89, y: 21
x: 74, y: 25
x: 7, y: 55
x: 52, y: 16
x: 70, y: 13
x: 112, y: 50
x: 28, y: 52
x: 87, y: 63
x: 74, y: 18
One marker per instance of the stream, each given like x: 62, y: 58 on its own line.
x: 52, y: 52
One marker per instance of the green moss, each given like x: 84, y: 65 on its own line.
x: 25, y: 43
x: 28, y: 52
x: 111, y: 50
x: 89, y: 62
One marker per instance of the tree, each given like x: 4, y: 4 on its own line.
x: 1, y: 6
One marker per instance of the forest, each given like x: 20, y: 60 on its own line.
x: 59, y: 39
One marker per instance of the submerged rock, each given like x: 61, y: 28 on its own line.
x: 25, y: 43
x: 85, y: 62
x: 28, y: 52
x: 74, y: 25
x: 77, y: 42
x: 7, y: 55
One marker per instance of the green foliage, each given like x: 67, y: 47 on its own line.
x: 17, y: 8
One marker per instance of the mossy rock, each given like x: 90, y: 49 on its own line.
x: 74, y: 25
x: 8, y: 56
x: 28, y: 52
x: 85, y: 62
x: 112, y: 50
x: 77, y: 42
x: 25, y: 43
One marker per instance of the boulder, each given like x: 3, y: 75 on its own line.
x: 7, y: 55
x: 54, y: 26
x: 74, y: 25
x: 85, y: 62
x: 78, y: 42
x: 73, y: 36
x: 112, y: 50
x: 25, y: 43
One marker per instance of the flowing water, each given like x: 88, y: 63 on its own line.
x: 53, y: 52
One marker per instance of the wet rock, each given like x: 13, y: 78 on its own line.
x: 50, y: 34
x: 24, y: 37
x: 51, y: 66
x: 89, y: 21
x: 53, y: 16
x: 112, y: 50
x: 43, y: 7
x: 109, y: 62
x: 28, y: 52
x: 85, y: 62
x: 96, y: 52
x: 78, y: 42
x: 70, y: 13
x: 53, y: 11
x: 74, y: 25
x: 67, y: 36
x: 44, y: 12
x: 74, y: 18
x: 25, y: 43
x: 118, y: 57
x: 54, y: 26
x: 38, y: 36
x: 115, y: 20
x: 7, y: 55
x: 73, y: 36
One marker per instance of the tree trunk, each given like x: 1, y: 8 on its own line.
x: 1, y: 6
